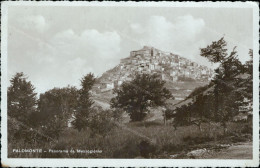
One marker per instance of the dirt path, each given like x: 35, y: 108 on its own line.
x: 240, y: 151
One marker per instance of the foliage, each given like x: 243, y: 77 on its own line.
x: 181, y: 115
x: 216, y: 52
x: 186, y: 79
x: 55, y: 108
x: 120, y: 143
x: 169, y: 114
x: 21, y: 98
x: 100, y: 121
x: 225, y: 93
x: 199, y: 90
x: 249, y: 64
x: 81, y: 120
x: 21, y: 104
x: 142, y: 92
x: 58, y: 102
x: 249, y: 81
x: 54, y: 127
x: 117, y: 114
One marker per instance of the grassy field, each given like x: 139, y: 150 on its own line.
x: 161, y: 142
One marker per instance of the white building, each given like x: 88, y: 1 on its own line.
x: 107, y: 85
x: 173, y: 73
x: 151, y: 66
x: 174, y: 78
x: 119, y: 82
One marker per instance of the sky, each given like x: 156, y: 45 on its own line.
x: 56, y: 46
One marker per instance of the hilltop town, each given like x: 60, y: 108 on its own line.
x: 170, y: 67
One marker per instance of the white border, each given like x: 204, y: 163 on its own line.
x: 131, y: 162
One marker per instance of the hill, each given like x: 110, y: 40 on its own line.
x: 182, y: 76
x: 177, y: 71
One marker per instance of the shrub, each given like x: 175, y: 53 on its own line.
x: 146, y: 149
x: 247, y: 129
x: 173, y: 148
x: 129, y: 150
x: 101, y: 121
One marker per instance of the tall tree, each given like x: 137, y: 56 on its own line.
x: 137, y: 95
x: 225, y: 78
x: 21, y: 98
x: 85, y: 103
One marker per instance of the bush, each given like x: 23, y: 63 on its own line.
x: 173, y: 148
x: 135, y: 97
x: 121, y: 143
x: 196, y: 140
x: 247, y: 129
x: 101, y: 122
x: 53, y: 127
x: 129, y: 150
x: 146, y: 149
x: 146, y: 124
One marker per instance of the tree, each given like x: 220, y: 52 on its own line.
x: 181, y: 115
x: 200, y: 110
x: 216, y: 52
x: 21, y: 98
x: 249, y: 64
x: 21, y: 103
x: 248, y: 85
x: 100, y: 121
x: 55, y: 108
x: 59, y: 102
x: 81, y: 120
x: 169, y: 114
x: 225, y: 91
x: 137, y: 95
x: 117, y: 115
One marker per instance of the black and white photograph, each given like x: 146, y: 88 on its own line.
x: 148, y: 83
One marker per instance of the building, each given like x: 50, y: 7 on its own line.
x: 163, y: 77
x: 107, y: 85
x: 173, y: 73
x: 174, y: 78
x: 151, y: 66
x: 70, y: 120
x: 151, y: 60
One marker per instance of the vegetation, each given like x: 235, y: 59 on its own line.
x: 187, y: 79
x: 21, y: 104
x: 55, y: 107
x: 43, y: 123
x: 85, y: 103
x: 21, y: 98
x: 218, y: 101
x: 142, y: 92
x: 120, y: 143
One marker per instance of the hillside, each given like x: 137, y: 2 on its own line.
x: 181, y: 75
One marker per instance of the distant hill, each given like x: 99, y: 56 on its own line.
x: 182, y: 75
x: 171, y: 67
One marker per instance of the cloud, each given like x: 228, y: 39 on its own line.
x: 71, y: 56
x: 180, y: 35
x: 98, y: 50
x: 34, y: 23
x: 137, y: 28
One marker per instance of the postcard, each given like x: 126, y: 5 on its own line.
x: 148, y: 84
